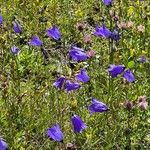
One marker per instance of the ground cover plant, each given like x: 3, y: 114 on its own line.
x: 75, y: 75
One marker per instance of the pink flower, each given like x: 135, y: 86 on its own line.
x: 141, y: 28
x: 90, y: 53
x: 128, y: 105
x: 130, y: 24
x: 87, y: 39
x: 143, y: 104
x: 80, y: 26
x: 122, y: 25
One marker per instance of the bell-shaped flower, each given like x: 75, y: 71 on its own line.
x: 55, y: 133
x: 78, y: 124
x: 142, y: 59
x: 107, y: 2
x: 14, y: 50
x: 3, y: 145
x: 128, y: 75
x: 71, y: 85
x: 35, y: 41
x: 115, y: 35
x: 83, y: 76
x: 77, y: 54
x: 97, y: 106
x: 17, y: 27
x: 115, y: 70
x: 1, y: 19
x: 59, y: 82
x: 102, y: 31
x: 54, y: 33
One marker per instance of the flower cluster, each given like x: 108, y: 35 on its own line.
x: 56, y: 134
x: 77, y: 54
x: 103, y: 31
x: 115, y: 70
x: 69, y: 85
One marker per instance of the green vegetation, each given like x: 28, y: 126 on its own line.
x: 30, y: 104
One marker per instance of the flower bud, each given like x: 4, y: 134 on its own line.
x: 80, y: 26
x: 143, y: 104
x: 128, y: 105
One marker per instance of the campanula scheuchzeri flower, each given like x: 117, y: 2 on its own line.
x: 54, y: 33
x: 115, y: 70
x: 59, y: 82
x: 3, y: 145
x: 15, y: 50
x: 83, y: 76
x: 55, y: 133
x: 78, y: 124
x: 128, y: 75
x: 71, y: 85
x: 17, y: 27
x: 97, y: 106
x: 77, y: 54
x: 35, y: 41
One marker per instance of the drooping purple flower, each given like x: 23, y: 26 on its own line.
x: 77, y: 54
x: 15, y: 50
x: 71, y: 85
x: 128, y: 75
x: 102, y: 31
x: 59, y: 82
x: 142, y: 59
x: 107, y: 2
x: 55, y: 133
x: 115, y: 70
x: 78, y: 124
x: 3, y: 145
x: 83, y: 76
x: 1, y: 19
x: 54, y: 33
x: 35, y: 41
x: 16, y: 27
x: 115, y: 35
x: 97, y: 106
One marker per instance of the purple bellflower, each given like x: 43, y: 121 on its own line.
x: 35, y: 41
x: 97, y: 106
x: 59, y: 82
x: 78, y: 124
x: 102, y: 31
x: 54, y: 33
x: 142, y: 59
x: 115, y: 70
x: 107, y: 2
x: 1, y: 19
x: 115, y: 35
x: 15, y: 50
x: 71, y: 85
x: 55, y: 133
x: 16, y: 27
x: 77, y: 54
x: 3, y: 145
x: 83, y: 76
x: 128, y: 75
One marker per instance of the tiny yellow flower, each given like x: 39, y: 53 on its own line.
x: 74, y: 104
x: 130, y: 10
